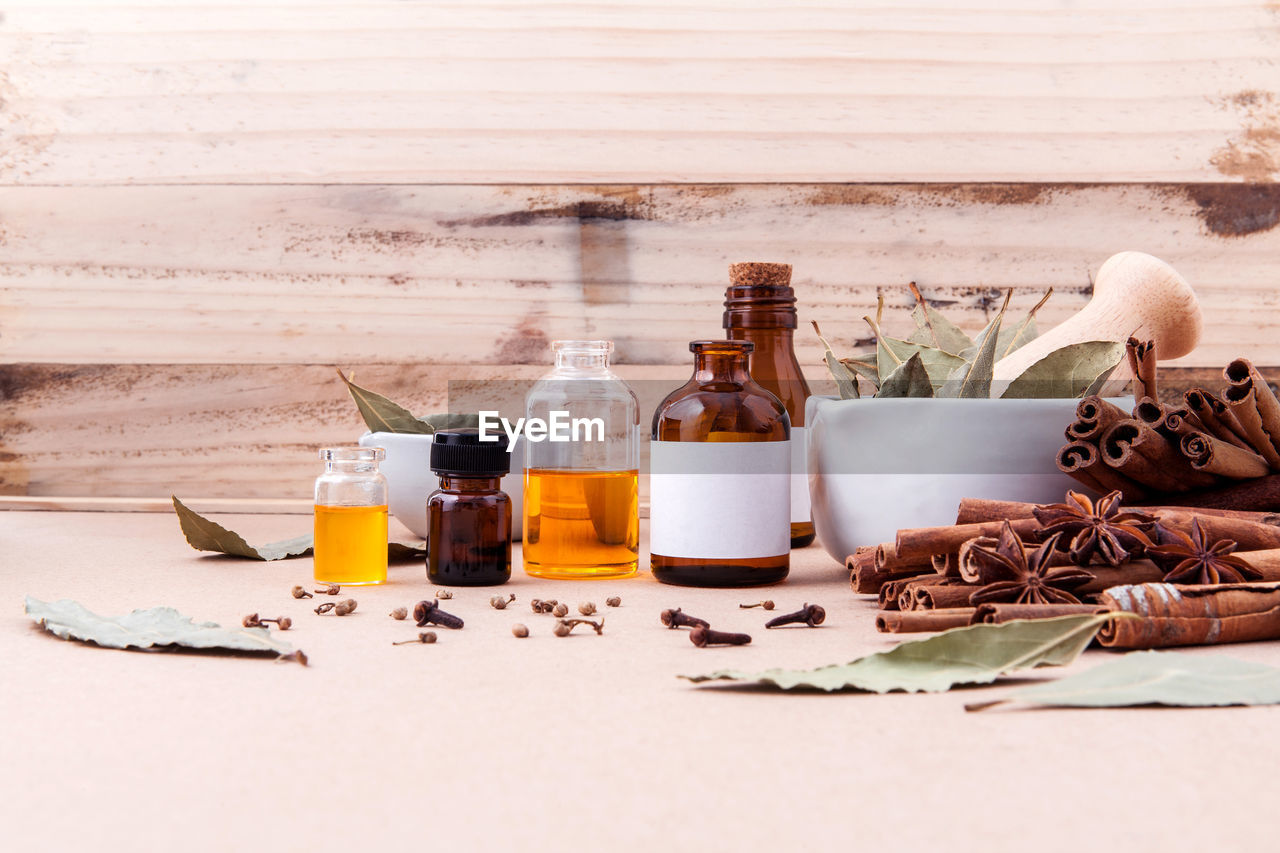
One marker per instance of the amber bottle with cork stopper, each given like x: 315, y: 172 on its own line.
x: 720, y: 480
x: 760, y: 307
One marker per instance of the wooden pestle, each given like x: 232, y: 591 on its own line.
x: 1134, y: 294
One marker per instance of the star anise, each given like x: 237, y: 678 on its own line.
x: 1019, y: 576
x: 1097, y: 530
x: 1191, y: 559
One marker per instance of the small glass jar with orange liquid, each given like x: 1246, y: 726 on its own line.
x: 581, y: 496
x: 351, y: 517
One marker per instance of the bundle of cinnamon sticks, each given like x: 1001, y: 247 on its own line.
x: 926, y: 579
x: 1209, y: 451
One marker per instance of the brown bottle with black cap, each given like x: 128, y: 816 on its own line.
x: 760, y: 307
x: 469, y: 516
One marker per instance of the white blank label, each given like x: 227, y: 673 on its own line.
x: 720, y: 500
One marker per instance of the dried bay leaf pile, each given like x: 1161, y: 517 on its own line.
x: 939, y: 359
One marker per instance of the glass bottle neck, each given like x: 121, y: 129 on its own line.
x: 346, y: 466
x: 775, y: 336
x: 720, y: 367
x: 452, y: 483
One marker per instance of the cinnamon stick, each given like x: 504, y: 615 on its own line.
x: 916, y: 621
x: 1094, y: 416
x: 1260, y: 495
x: 1179, y: 422
x: 922, y: 541
x: 1266, y: 562
x: 1132, y: 572
x: 1150, y: 412
x: 891, y: 592
x: 888, y: 559
x: 996, y: 614
x: 1191, y: 615
x: 969, y: 569
x: 1143, y: 454
x: 865, y: 578
x: 1212, y: 455
x: 1083, y: 461
x: 945, y: 565
x: 1142, y: 360
x: 1240, y: 370
x: 951, y: 593
x: 1242, y: 401
x: 1212, y: 413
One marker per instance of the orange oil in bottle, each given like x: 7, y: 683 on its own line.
x: 581, y: 524
x: 351, y: 544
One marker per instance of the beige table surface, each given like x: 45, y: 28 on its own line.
x: 487, y: 742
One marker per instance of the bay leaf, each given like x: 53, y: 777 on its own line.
x: 1070, y: 371
x: 935, y: 330
x: 846, y: 381
x: 977, y: 654
x: 892, y: 353
x: 152, y: 629
x: 1022, y: 332
x: 204, y: 534
x: 382, y: 415
x: 864, y: 366
x: 1156, y: 678
x: 973, y: 378
x: 909, y: 380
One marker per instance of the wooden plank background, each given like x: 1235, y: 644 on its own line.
x: 203, y: 209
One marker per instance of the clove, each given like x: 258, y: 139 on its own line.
x: 811, y: 615
x: 331, y: 589
x: 540, y: 606
x: 326, y: 607
x: 565, y: 626
x: 767, y: 605
x: 443, y: 595
x: 613, y: 601
x: 560, y: 610
x: 429, y: 613
x: 679, y: 619
x: 345, y: 607
x: 299, y: 592
x: 520, y: 630
x: 425, y: 637
x: 702, y: 636
x: 500, y: 603
x: 587, y: 608
x: 399, y: 613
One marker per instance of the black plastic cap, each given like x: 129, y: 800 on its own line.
x: 461, y: 453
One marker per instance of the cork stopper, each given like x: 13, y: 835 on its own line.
x: 757, y: 274
x: 759, y: 296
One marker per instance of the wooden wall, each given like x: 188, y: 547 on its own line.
x: 203, y: 209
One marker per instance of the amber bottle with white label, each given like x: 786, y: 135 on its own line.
x: 760, y: 306
x: 719, y: 487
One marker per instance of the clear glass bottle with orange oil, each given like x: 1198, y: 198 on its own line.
x: 351, y: 517
x: 581, y: 497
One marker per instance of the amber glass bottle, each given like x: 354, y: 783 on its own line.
x: 760, y: 306
x: 469, y: 516
x: 720, y: 476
